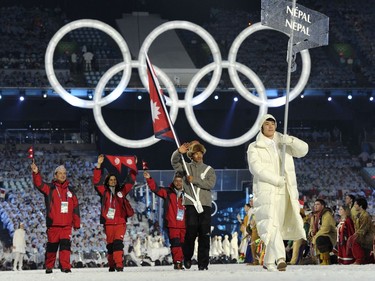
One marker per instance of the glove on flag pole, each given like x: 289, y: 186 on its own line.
x: 163, y: 127
x: 118, y: 161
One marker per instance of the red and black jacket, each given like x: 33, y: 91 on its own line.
x: 171, y: 204
x: 116, y: 201
x: 55, y: 193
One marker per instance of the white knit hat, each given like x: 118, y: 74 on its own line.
x: 60, y: 168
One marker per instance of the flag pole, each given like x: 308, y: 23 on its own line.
x: 286, y: 113
x: 158, y: 88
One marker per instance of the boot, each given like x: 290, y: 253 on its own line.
x: 326, y: 258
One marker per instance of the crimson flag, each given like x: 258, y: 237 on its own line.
x: 160, y: 117
x: 30, y: 153
x: 118, y: 161
x: 144, y: 165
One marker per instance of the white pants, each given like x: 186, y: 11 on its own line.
x: 275, y: 249
x: 18, y: 259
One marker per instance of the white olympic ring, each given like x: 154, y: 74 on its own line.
x: 227, y: 142
x: 305, y: 73
x: 214, y: 48
x: 173, y: 101
x: 51, y: 73
x: 99, y: 117
x: 215, y: 206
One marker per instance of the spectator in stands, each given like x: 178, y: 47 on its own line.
x: 115, y: 209
x: 62, y: 213
x: 323, y: 233
x: 360, y: 243
x: 299, y: 246
x: 349, y: 201
x: 345, y: 229
x: 74, y: 62
x: 245, y: 237
x: 364, y: 158
x: 88, y: 57
x: 174, y: 214
x: 252, y: 229
x: 19, y: 247
x: 201, y: 178
x: 275, y: 192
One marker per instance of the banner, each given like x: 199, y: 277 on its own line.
x: 310, y: 28
x: 118, y: 161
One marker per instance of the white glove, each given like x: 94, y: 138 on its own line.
x: 282, y: 182
x: 286, y: 139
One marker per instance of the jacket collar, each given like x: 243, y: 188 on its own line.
x: 262, y: 140
x: 63, y: 185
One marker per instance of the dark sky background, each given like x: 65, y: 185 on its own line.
x: 108, y: 10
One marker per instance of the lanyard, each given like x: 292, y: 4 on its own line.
x: 58, y: 192
x: 110, y: 200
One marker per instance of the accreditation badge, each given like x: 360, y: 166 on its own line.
x: 64, y: 207
x: 180, y: 214
x: 111, y: 213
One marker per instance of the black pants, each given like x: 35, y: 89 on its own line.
x: 323, y: 244
x: 198, y: 225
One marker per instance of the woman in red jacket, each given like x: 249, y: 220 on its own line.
x: 62, y: 213
x: 174, y: 215
x: 345, y: 229
x: 115, y: 209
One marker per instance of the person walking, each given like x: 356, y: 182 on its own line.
x: 62, y: 213
x: 276, y: 206
x: 19, y: 246
x: 201, y: 178
x: 115, y: 209
x: 174, y: 214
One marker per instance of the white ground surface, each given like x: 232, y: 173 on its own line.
x: 214, y: 273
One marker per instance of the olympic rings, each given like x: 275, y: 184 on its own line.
x: 51, y: 73
x: 173, y: 101
x: 306, y: 67
x: 227, y: 142
x: 99, y: 117
x: 214, y: 48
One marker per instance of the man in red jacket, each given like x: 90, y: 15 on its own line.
x: 115, y: 209
x: 174, y: 214
x: 62, y: 213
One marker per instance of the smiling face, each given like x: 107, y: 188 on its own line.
x: 112, y: 181
x: 197, y: 157
x: 178, y: 183
x: 269, y: 128
x: 60, y: 175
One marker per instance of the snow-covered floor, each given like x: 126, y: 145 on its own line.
x: 216, y: 272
